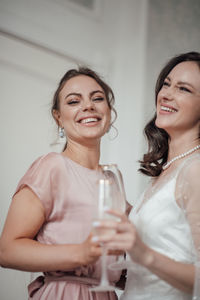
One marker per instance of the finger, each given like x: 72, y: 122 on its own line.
x: 117, y: 214
x: 95, y: 243
x: 110, y: 224
x: 115, y: 252
x: 121, y: 238
x: 126, y: 227
x: 97, y: 252
x: 118, y: 247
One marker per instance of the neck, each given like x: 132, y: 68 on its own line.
x: 86, y: 155
x: 181, y: 144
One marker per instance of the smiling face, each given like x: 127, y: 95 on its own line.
x: 83, y: 109
x: 178, y: 101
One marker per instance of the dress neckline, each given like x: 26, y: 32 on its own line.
x: 80, y: 166
x: 152, y: 190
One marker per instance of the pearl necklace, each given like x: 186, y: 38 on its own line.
x: 165, y: 166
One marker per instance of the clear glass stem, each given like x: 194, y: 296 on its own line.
x: 104, y: 274
x: 104, y: 281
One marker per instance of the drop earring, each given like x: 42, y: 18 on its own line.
x: 61, y: 132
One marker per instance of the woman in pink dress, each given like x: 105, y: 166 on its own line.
x: 49, y: 221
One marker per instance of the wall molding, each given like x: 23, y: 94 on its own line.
x: 42, y: 47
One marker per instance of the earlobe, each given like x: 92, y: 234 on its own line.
x: 56, y: 115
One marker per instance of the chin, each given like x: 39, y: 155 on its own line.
x: 93, y: 137
x: 158, y: 124
x: 161, y: 125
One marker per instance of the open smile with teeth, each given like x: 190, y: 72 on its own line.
x: 89, y: 120
x: 168, y: 109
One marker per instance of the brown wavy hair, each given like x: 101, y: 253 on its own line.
x: 87, y: 72
x: 158, y: 138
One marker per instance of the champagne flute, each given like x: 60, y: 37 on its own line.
x: 112, y: 173
x: 105, y: 201
x: 111, y: 196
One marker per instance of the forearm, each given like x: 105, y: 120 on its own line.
x: 30, y: 255
x: 180, y: 275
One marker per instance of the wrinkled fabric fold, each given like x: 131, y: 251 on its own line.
x: 74, y: 287
x: 35, y: 285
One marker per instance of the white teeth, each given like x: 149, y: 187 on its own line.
x: 168, y: 109
x: 88, y: 120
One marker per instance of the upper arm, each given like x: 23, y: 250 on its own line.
x: 188, y: 197
x: 25, y: 216
x: 33, y: 200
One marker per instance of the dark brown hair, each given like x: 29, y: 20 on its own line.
x: 157, y: 138
x: 87, y: 72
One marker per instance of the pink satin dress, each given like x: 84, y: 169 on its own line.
x: 68, y: 192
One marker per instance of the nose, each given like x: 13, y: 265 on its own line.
x: 87, y: 104
x: 168, y: 93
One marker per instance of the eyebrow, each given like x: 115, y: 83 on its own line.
x: 97, y: 91
x: 182, y: 82
x: 72, y: 94
x: 187, y: 83
x: 79, y: 95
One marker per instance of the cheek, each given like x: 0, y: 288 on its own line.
x: 108, y: 117
x: 157, y: 105
x: 68, y: 113
x: 159, y: 96
x: 198, y: 105
x: 106, y: 111
x: 191, y: 112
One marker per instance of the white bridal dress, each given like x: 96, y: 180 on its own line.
x: 167, y: 217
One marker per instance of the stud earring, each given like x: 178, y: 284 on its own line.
x: 61, y: 132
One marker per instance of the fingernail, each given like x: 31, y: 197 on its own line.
x: 95, y: 238
x: 95, y: 223
x: 106, y: 208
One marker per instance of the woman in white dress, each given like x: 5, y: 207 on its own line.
x: 162, y: 235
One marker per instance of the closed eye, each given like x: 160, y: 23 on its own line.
x: 98, y: 99
x: 166, y: 83
x: 73, y: 102
x: 182, y: 88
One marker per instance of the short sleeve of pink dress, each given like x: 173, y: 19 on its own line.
x: 68, y: 192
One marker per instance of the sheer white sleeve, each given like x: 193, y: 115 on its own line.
x: 188, y: 197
